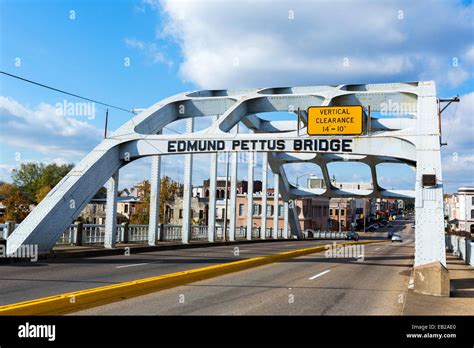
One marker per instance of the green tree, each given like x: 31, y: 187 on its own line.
x: 169, y: 189
x: 141, y: 216
x: 17, y: 206
x: 36, y: 179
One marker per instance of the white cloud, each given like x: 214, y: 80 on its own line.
x: 152, y: 52
x: 458, y: 124
x: 42, y: 130
x: 257, y: 43
x: 458, y: 132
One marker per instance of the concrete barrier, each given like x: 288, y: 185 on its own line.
x: 461, y: 247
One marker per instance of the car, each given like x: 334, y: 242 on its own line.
x: 352, y: 235
x: 390, y: 234
x: 397, y: 238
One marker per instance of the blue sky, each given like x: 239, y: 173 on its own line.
x: 174, y: 46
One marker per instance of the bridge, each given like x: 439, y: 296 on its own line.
x: 410, y: 136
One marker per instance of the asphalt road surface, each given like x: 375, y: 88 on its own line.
x: 31, y: 280
x: 373, y: 281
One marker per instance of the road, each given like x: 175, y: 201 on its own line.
x: 310, y: 285
x: 26, y: 281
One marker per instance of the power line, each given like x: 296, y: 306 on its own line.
x: 65, y: 92
x: 76, y: 95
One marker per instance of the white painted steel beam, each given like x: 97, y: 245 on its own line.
x: 187, y: 189
x: 155, y: 183
x: 250, y: 172
x: 212, y: 196
x: 263, y: 224
x: 111, y: 212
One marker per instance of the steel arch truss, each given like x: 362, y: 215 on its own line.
x: 409, y: 136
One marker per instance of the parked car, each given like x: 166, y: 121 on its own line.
x: 390, y: 234
x: 352, y: 235
x: 397, y: 237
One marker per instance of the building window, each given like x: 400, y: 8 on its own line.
x: 269, y: 210
x: 125, y: 208
x: 280, y: 210
x: 342, y: 212
x: 241, y: 209
x: 181, y: 213
x: 472, y: 214
x: 201, y: 214
x: 330, y: 211
x: 472, y: 201
x: 256, y: 209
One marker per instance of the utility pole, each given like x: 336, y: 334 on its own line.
x: 106, y: 121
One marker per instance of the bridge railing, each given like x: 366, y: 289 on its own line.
x: 240, y: 232
x: 220, y: 233
x: 199, y: 232
x: 3, y: 231
x: 94, y: 234
x: 461, y: 244
x: 171, y: 232
x: 136, y: 233
x: 325, y: 234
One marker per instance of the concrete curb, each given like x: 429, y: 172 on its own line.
x: 79, y: 300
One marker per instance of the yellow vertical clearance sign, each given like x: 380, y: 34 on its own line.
x: 335, y: 120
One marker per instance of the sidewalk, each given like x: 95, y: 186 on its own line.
x: 461, y: 300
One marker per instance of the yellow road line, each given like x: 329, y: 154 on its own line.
x: 79, y: 300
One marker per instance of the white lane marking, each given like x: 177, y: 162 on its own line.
x: 377, y: 249
x: 360, y: 256
x: 289, y: 245
x: 133, y: 265
x: 319, y: 274
x: 138, y: 264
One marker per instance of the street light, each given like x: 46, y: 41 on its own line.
x: 300, y: 176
